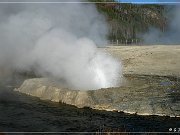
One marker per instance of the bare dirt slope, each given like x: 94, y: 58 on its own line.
x: 162, y: 60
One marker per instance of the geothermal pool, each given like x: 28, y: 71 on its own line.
x: 151, y: 85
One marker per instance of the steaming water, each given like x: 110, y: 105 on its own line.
x: 105, y: 73
x: 100, y: 78
x: 58, y: 41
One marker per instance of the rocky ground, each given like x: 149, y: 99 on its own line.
x: 21, y: 113
x: 145, y: 95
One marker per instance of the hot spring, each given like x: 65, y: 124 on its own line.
x: 49, y: 40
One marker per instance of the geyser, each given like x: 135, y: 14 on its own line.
x: 58, y: 41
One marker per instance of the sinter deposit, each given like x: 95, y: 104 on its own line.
x: 144, y: 99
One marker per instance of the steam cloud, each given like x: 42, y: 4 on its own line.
x: 171, y: 34
x: 58, y: 41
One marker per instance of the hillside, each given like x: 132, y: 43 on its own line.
x: 126, y: 21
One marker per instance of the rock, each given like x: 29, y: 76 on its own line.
x: 146, y: 99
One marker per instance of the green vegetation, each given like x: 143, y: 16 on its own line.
x: 126, y: 21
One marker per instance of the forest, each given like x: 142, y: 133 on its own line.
x: 127, y: 21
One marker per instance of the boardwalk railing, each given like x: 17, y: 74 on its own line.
x: 125, y: 42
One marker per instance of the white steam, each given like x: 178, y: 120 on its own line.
x: 172, y: 30
x: 58, y: 41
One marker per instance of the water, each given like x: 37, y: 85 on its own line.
x: 19, y: 112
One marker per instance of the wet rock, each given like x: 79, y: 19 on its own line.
x: 150, y: 98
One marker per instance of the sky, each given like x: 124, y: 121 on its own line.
x: 148, y: 1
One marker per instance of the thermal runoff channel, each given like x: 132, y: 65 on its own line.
x: 58, y: 41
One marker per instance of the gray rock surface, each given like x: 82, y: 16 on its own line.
x: 158, y: 96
